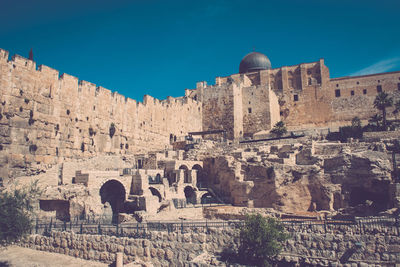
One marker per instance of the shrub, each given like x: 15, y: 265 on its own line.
x: 16, y: 212
x: 356, y: 122
x: 279, y: 128
x: 260, y: 239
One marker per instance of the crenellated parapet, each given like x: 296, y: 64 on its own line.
x: 46, y: 118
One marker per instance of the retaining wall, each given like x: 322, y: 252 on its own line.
x: 320, y: 245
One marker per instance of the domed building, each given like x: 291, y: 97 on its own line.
x: 254, y: 61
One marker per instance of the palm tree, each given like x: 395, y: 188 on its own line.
x: 381, y: 102
x: 396, y: 108
x: 376, y: 120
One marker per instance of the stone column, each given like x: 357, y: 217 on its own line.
x: 119, y: 259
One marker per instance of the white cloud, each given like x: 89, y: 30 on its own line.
x: 379, y: 67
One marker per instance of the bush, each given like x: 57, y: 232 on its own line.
x: 260, y: 239
x: 279, y: 129
x: 16, y: 212
x: 353, y: 131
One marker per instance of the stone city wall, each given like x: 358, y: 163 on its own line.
x: 218, y: 105
x: 45, y: 117
x: 315, y: 244
x: 357, y: 95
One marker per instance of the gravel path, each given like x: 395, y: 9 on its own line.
x: 14, y: 256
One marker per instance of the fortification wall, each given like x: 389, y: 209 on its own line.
x: 357, y: 94
x: 46, y: 118
x: 256, y: 109
x: 218, y: 107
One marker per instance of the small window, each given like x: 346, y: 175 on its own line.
x: 358, y: 82
x: 379, y: 81
x: 365, y: 91
x: 249, y: 102
x: 337, y: 92
x: 249, y: 110
x: 379, y: 88
x: 352, y: 92
x: 337, y: 85
x: 296, y: 98
x: 398, y: 86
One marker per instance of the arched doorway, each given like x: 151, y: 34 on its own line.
x: 156, y: 193
x: 201, y: 183
x: 190, y: 195
x: 185, y: 173
x: 114, y: 193
x: 207, y: 199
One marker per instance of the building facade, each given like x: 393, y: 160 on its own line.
x: 303, y: 96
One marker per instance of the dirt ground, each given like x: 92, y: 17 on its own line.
x: 14, y: 256
x: 195, y: 213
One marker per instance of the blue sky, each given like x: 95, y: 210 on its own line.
x: 162, y: 47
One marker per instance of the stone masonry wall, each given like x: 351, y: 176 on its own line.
x: 319, y: 244
x: 308, y: 98
x: 357, y: 95
x: 45, y: 118
x: 217, y: 107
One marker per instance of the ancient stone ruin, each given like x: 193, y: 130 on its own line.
x: 97, y: 154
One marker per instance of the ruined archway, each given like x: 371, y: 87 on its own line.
x: 201, y: 183
x: 156, y: 193
x: 207, y: 199
x: 114, y: 193
x: 185, y: 173
x: 190, y: 195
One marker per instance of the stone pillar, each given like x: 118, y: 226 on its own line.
x: 237, y: 112
x: 119, y: 259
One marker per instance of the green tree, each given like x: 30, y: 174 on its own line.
x: 381, y: 102
x: 376, y: 120
x: 16, y: 212
x: 356, y: 122
x: 260, y: 239
x: 279, y: 128
x: 396, y: 107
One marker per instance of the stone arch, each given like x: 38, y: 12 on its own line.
x: 190, y: 194
x: 207, y: 198
x: 156, y: 193
x: 185, y: 173
x: 114, y: 193
x: 200, y: 183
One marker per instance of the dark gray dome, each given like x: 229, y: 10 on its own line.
x: 254, y: 62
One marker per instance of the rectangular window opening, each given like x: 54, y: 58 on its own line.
x: 352, y: 92
x: 249, y: 110
x: 296, y: 97
x: 365, y: 91
x: 337, y: 92
x: 379, y: 88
